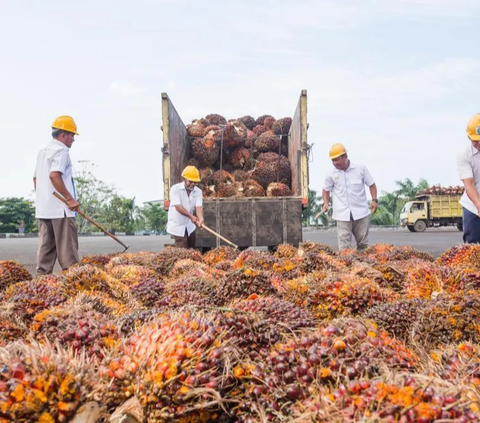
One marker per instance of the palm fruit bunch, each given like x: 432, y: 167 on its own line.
x: 282, y: 126
x: 198, y: 291
x: 205, y: 150
x: 132, y: 322
x: 448, y: 319
x: 403, y: 399
x: 227, y: 191
x: 11, y: 272
x: 196, y: 129
x: 165, y: 260
x: 439, y: 190
x: 277, y: 189
x: 461, y: 257
x: 422, y: 279
x: 385, y: 253
x: 99, y: 260
x: 276, y: 310
x: 344, y: 296
x: 215, y: 119
x: 267, y: 141
x: 92, y: 279
x: 132, y: 274
x: 40, y: 383
x: 458, y: 363
x: 341, y: 351
x: 219, y: 254
x: 266, y: 120
x: 240, y: 158
x: 101, y: 303
x: 308, y: 246
x: 240, y: 175
x: 147, y: 292
x: 397, y: 317
x: 250, y: 141
x: 258, y: 260
x: 319, y: 261
x: 251, y: 188
x: 176, y: 365
x: 11, y: 327
x: 286, y: 251
x: 274, y: 171
x: 80, y: 327
x: 194, y: 269
x: 233, y: 133
x: 29, y: 298
x: 142, y: 258
x: 242, y: 283
x: 392, y: 277
x: 248, y: 121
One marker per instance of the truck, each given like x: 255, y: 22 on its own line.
x: 247, y: 222
x: 428, y: 211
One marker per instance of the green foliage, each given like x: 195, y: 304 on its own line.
x: 155, y: 217
x: 16, y: 213
x: 120, y: 214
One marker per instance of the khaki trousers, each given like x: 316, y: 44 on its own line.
x: 185, y: 241
x: 357, y: 228
x: 57, y: 238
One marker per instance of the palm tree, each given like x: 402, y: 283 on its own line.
x: 407, y: 188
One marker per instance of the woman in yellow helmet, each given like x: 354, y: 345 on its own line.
x: 186, y: 209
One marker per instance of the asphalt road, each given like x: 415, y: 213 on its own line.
x: 435, y: 241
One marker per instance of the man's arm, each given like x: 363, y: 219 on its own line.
x: 472, y: 192
x: 57, y: 181
x: 184, y: 212
x: 199, y: 212
x: 373, y: 193
x: 35, y: 184
x: 326, y: 199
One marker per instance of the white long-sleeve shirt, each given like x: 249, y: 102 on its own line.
x: 177, y: 223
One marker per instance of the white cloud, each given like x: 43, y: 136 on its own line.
x: 124, y: 88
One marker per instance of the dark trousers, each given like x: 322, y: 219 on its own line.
x: 471, y: 227
x: 185, y: 241
x: 57, y: 238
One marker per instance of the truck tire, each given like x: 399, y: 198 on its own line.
x: 411, y: 228
x: 420, y: 226
x: 460, y: 226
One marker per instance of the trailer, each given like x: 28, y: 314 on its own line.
x: 256, y: 221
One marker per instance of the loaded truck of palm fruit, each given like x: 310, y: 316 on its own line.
x: 254, y: 173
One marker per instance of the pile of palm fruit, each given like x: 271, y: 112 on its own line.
x: 299, y: 335
x: 243, y: 157
x: 438, y: 190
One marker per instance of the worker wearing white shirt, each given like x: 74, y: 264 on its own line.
x: 57, y: 229
x: 349, y: 200
x: 469, y: 171
x: 185, y: 200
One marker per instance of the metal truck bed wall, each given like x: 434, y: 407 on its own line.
x: 246, y: 222
x: 443, y: 206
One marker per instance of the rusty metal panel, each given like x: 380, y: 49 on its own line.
x: 176, y: 145
x: 252, y: 221
x: 298, y: 148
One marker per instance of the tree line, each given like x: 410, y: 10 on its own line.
x: 98, y: 200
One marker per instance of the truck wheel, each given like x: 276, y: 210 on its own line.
x: 420, y: 226
x: 460, y: 227
x: 411, y: 228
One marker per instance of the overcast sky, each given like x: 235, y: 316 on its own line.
x: 394, y: 80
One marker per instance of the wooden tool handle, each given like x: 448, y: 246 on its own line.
x: 219, y: 236
x: 61, y: 198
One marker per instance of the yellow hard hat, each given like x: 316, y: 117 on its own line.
x: 473, y: 127
x: 191, y: 173
x: 337, y: 150
x: 65, y: 123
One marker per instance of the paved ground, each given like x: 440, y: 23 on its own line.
x: 434, y: 241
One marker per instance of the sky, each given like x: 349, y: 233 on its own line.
x: 395, y: 81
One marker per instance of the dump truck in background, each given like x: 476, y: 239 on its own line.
x: 432, y: 210
x: 254, y: 221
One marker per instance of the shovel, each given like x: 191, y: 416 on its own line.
x: 56, y: 194
x: 219, y: 236
x: 319, y: 214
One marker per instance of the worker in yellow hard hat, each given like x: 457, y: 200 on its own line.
x: 57, y: 229
x: 347, y: 183
x: 185, y: 213
x: 468, y: 163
